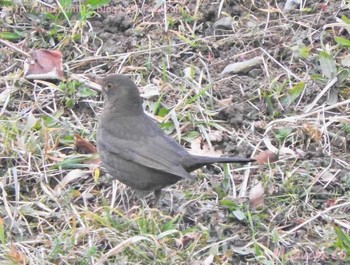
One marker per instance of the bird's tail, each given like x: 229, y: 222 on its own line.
x: 195, y: 162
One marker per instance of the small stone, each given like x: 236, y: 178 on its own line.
x: 224, y: 23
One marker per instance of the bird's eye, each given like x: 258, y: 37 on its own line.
x: 109, y: 85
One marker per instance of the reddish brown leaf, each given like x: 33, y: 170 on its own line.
x: 44, y: 64
x: 266, y: 157
x: 83, y: 146
x: 331, y: 202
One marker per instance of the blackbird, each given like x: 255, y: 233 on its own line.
x: 135, y: 150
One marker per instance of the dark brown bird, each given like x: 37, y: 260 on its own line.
x: 135, y: 150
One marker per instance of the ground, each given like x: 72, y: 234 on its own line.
x: 58, y: 204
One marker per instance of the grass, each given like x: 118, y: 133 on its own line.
x: 58, y: 207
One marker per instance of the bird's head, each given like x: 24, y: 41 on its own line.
x: 121, y: 94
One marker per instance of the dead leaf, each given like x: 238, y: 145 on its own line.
x: 260, y: 125
x: 313, y: 132
x: 149, y: 91
x: 266, y: 157
x: 199, y: 147
x: 240, y: 67
x: 83, y: 146
x: 44, y: 64
x: 187, y: 239
x: 71, y: 176
x: 256, y: 196
x: 225, y: 102
x: 15, y: 255
x: 216, y: 136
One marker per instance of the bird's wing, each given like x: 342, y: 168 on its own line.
x: 157, y: 152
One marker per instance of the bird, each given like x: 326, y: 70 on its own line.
x: 132, y: 147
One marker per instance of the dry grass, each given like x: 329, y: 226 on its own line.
x: 56, y: 208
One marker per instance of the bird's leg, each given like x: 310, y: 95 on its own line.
x: 157, y: 194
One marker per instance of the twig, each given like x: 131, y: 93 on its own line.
x: 14, y: 47
x: 315, y: 217
x: 327, y: 87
